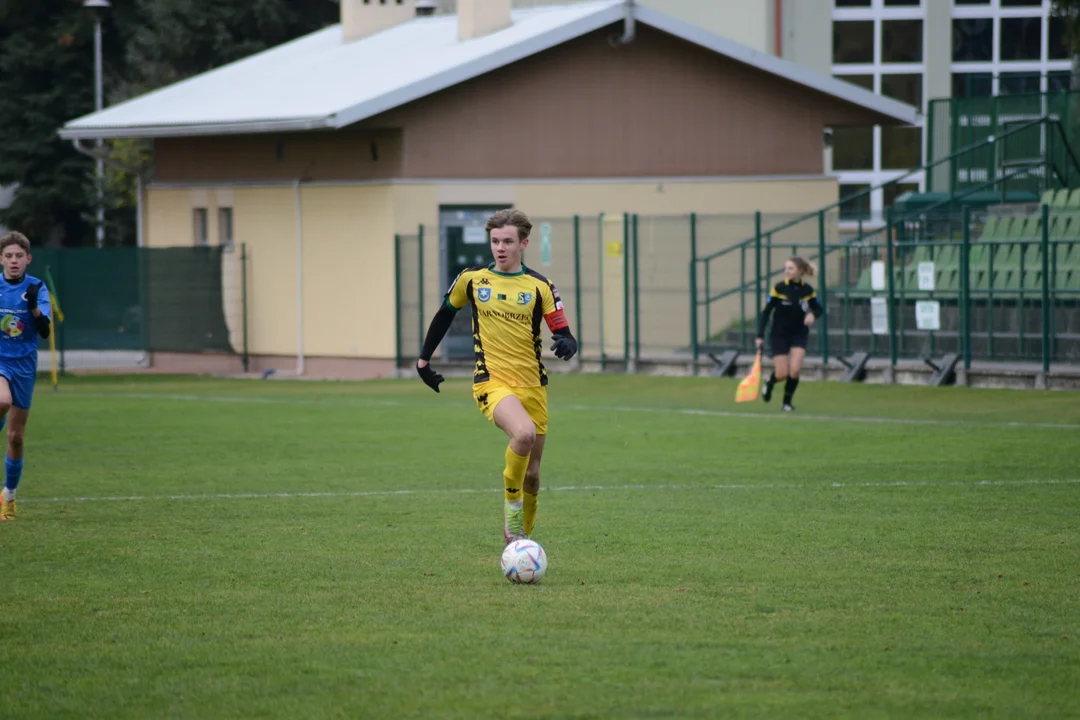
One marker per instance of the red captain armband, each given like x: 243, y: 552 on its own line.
x: 556, y: 321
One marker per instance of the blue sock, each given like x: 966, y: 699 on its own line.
x: 13, y: 473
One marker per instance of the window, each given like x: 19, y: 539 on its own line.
x: 1018, y: 83
x: 1060, y: 81
x: 902, y: 3
x: 972, y: 85
x: 1056, y: 47
x: 854, y: 208
x: 973, y: 40
x: 1021, y: 3
x: 895, y: 190
x: 200, y: 224
x: 852, y: 3
x: 863, y: 81
x: 853, y: 41
x: 901, y: 148
x: 853, y: 148
x: 971, y: 2
x: 901, y: 41
x: 225, y: 227
x: 1021, y: 38
x: 905, y: 88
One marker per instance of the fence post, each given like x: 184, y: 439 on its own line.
x: 891, y: 307
x: 742, y: 298
x: 399, y: 359
x: 693, y: 290
x: 757, y: 266
x: 965, y: 288
x: 824, y: 293
x: 637, y: 298
x: 626, y: 290
x: 420, y: 285
x: 244, y: 303
x: 61, y: 333
x: 577, y: 284
x: 600, y: 287
x: 1046, y: 288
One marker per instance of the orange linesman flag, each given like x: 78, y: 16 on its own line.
x: 748, y: 387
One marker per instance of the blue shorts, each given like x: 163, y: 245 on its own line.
x: 20, y: 374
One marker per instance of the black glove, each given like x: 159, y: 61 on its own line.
x: 565, y: 347
x: 31, y: 295
x: 429, y: 376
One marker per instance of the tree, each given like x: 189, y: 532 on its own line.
x: 1070, y: 11
x: 46, y: 80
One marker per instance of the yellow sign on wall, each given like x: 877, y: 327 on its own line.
x: 614, y: 248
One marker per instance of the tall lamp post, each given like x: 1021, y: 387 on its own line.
x: 98, y: 8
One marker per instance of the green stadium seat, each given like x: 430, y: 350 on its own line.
x: 1048, y: 197
x: 1061, y: 280
x: 1032, y: 228
x: 1032, y: 280
x: 1004, y: 228
x: 1032, y: 255
x: 978, y: 256
x: 1074, y: 199
x: 947, y: 256
x: 1060, y: 224
x: 1006, y: 257
x: 980, y: 280
x: 1006, y: 279
x: 1061, y: 199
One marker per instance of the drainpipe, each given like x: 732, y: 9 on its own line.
x: 778, y: 27
x: 629, y: 26
x: 140, y: 240
x: 299, y: 279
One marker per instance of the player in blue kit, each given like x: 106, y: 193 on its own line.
x: 24, y: 316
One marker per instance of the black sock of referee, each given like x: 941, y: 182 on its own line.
x: 789, y: 389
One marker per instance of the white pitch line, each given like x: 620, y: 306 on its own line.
x: 556, y: 488
x: 594, y: 408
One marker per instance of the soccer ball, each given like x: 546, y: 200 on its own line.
x: 524, y: 562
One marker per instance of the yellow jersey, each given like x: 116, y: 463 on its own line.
x: 506, y: 312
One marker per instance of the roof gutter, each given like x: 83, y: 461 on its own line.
x: 629, y: 26
x: 192, y: 130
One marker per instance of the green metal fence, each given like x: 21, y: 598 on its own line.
x: 956, y: 123
x: 677, y: 287
x: 189, y: 300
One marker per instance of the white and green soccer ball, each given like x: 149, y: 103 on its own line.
x: 524, y: 562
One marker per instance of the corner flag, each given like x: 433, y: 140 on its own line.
x: 748, y: 387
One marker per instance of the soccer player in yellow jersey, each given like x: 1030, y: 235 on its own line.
x: 509, y: 380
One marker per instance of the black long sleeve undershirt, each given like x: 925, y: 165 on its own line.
x: 436, y: 331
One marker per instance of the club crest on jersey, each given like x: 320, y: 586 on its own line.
x: 11, y: 326
x: 483, y: 294
x: 524, y: 298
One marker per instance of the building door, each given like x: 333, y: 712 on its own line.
x: 464, y: 244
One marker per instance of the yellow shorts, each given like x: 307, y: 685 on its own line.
x: 534, y: 399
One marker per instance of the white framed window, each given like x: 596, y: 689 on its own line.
x: 1007, y: 47
x: 225, y: 228
x: 879, y: 45
x: 200, y: 224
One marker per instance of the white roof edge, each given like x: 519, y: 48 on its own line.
x: 778, y: 66
x: 188, y: 130
x: 480, y: 66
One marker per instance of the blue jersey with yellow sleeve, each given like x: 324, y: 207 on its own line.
x: 507, y: 310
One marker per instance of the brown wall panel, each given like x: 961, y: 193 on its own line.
x: 315, y: 156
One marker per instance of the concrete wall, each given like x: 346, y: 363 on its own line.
x: 347, y: 255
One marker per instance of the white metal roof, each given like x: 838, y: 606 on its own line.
x: 318, y: 81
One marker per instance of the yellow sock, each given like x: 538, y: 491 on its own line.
x: 529, y: 506
x: 514, y: 474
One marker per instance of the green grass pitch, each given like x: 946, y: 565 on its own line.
x: 204, y: 548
